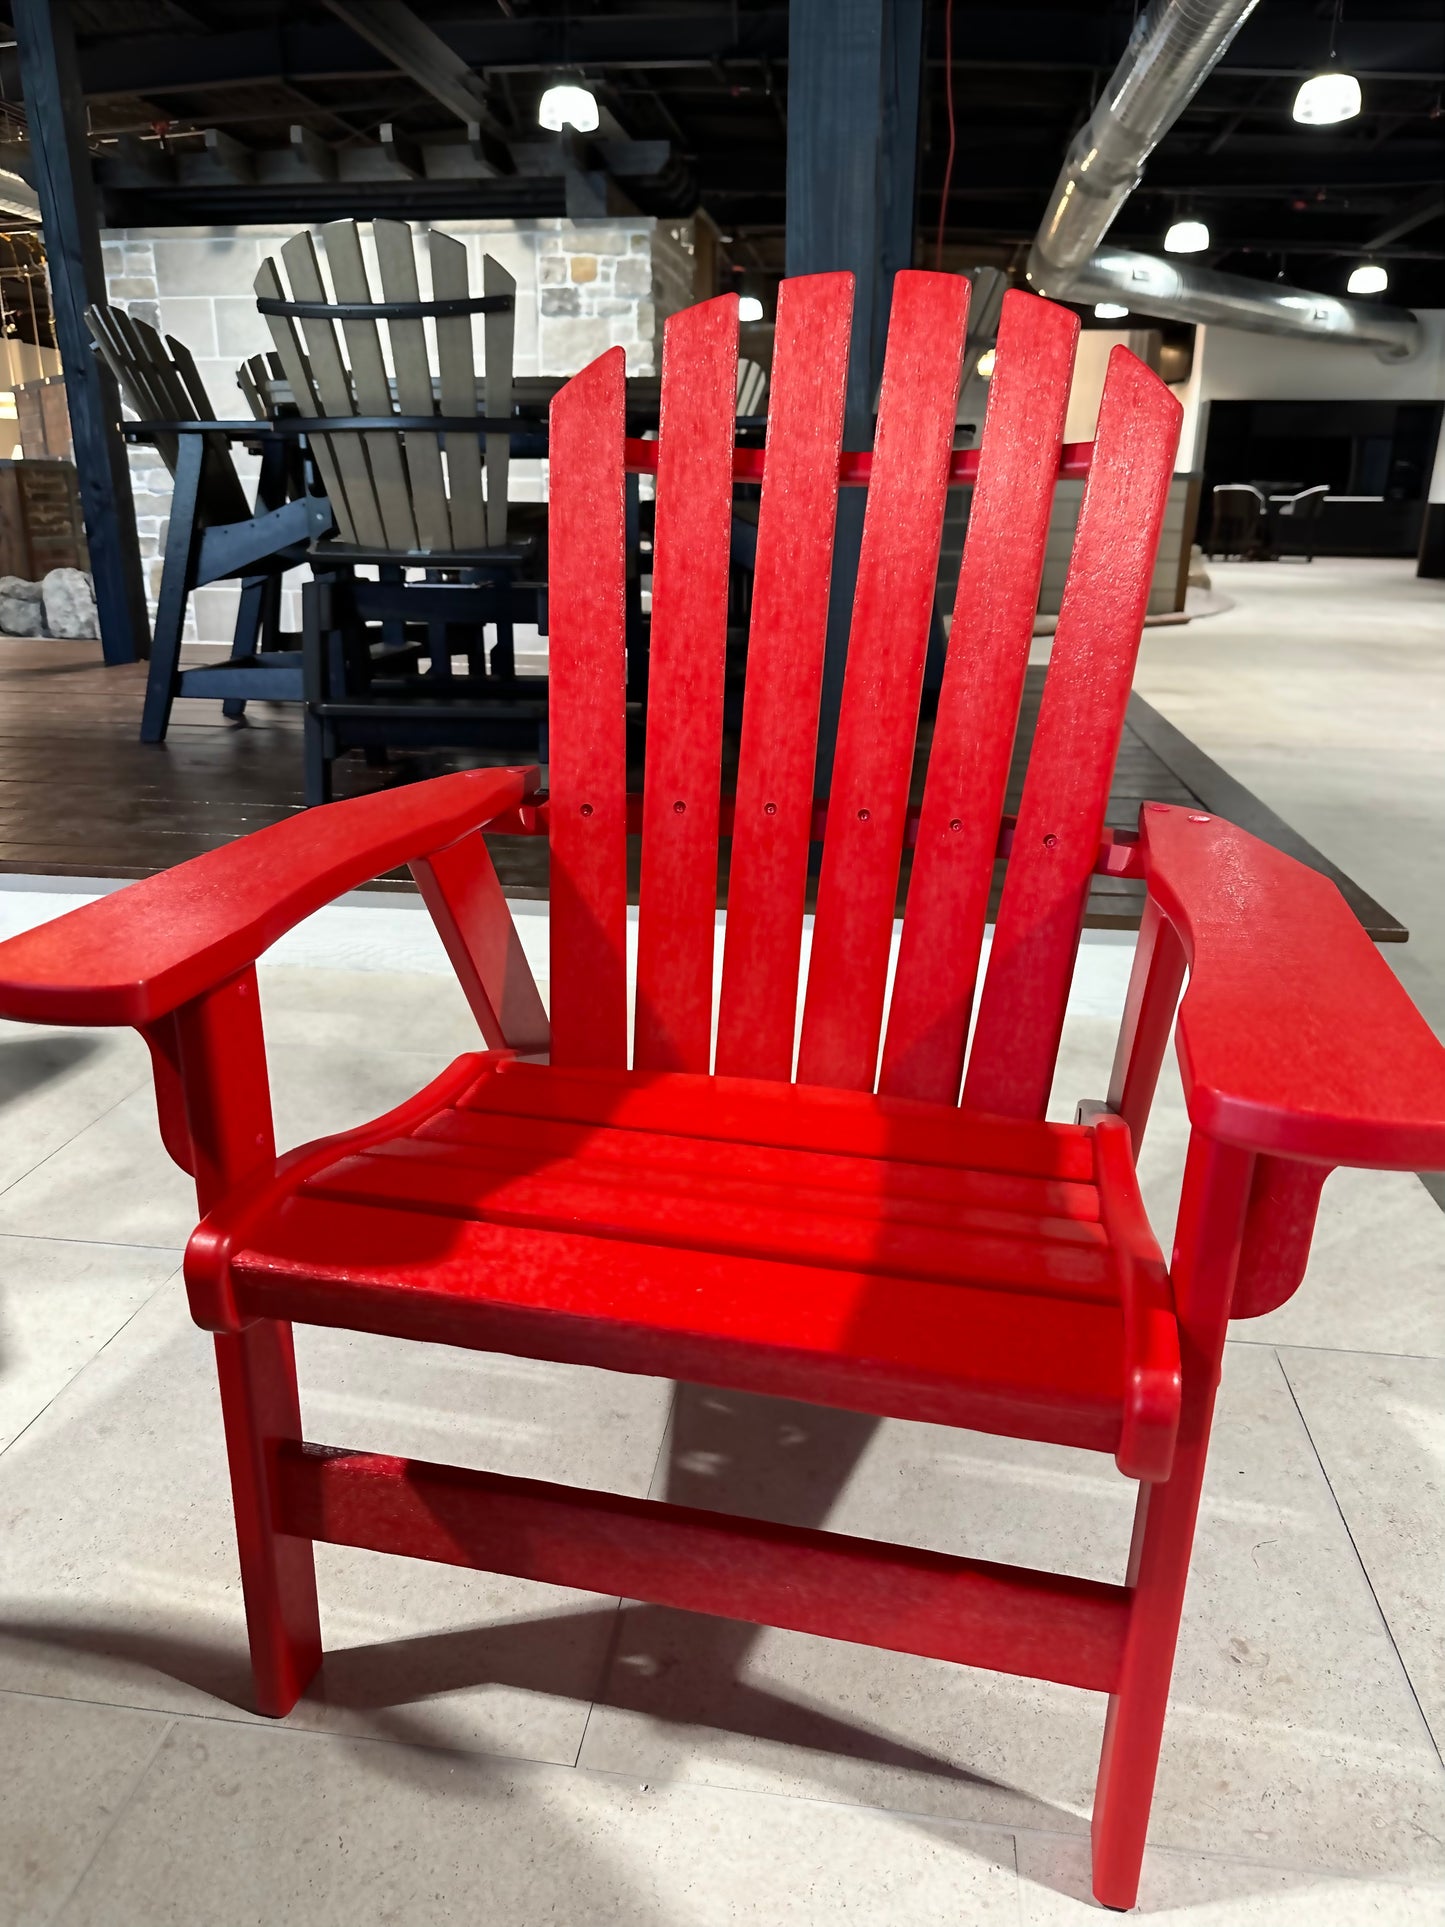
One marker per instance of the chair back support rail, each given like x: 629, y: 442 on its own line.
x: 418, y: 490
x: 1298, y: 1047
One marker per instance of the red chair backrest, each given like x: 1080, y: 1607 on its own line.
x: 1062, y: 813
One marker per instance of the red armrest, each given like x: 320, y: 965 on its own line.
x: 131, y: 957
x: 1294, y: 1036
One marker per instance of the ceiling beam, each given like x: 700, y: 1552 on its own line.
x: 419, y: 52
x: 1430, y: 203
x: 1024, y: 36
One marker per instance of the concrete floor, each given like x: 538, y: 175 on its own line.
x: 480, y: 1748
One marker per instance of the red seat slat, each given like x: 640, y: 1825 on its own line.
x: 1043, y: 1255
x: 988, y: 651
x: 887, y: 643
x: 587, y: 670
x: 852, y: 1183
x: 682, y: 788
x: 1021, y: 1011
x: 897, y: 1347
x: 751, y: 1111
x: 768, y: 872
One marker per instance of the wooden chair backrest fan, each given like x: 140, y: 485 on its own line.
x: 841, y: 1039
x: 391, y: 491
x: 161, y: 382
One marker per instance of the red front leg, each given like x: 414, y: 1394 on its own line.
x: 218, y: 1051
x: 1206, y: 1257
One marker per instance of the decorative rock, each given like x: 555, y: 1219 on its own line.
x: 21, y: 613
x: 69, y: 604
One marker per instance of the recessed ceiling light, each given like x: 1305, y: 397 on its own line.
x: 568, y: 105
x: 1109, y: 311
x: 749, y: 308
x: 1368, y: 278
x: 1186, y: 237
x: 1327, y: 98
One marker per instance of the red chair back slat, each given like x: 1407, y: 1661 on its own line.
x: 768, y: 874
x: 682, y: 785
x: 588, y: 743
x: 888, y: 640
x: 1021, y: 1011
x: 988, y: 651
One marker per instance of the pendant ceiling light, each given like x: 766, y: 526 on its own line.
x: 1329, y: 97
x: 1109, y: 311
x: 568, y: 105
x: 1368, y: 278
x: 1186, y: 237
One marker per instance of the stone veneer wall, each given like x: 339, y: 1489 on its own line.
x: 582, y: 287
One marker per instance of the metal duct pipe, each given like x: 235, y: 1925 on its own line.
x: 1173, y: 48
x: 1160, y: 286
x: 18, y: 198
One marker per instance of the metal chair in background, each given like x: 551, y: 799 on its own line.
x: 1302, y: 512
x: 1237, y: 522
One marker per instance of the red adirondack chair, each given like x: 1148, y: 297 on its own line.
x: 873, y: 1227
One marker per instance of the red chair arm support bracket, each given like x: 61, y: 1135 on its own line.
x: 136, y: 956
x: 1284, y: 1201
x: 1295, y: 1038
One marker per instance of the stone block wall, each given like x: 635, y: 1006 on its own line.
x: 582, y: 287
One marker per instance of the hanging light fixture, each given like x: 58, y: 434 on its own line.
x: 567, y: 104
x: 749, y: 308
x: 1186, y: 237
x: 1329, y: 97
x: 1109, y: 311
x: 1368, y: 278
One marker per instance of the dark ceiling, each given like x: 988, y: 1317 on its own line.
x: 710, y: 79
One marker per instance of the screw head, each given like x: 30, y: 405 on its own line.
x: 770, y: 809
x: 1201, y: 819
x: 678, y: 808
x: 955, y: 824
x: 1050, y: 840
x: 863, y: 816
x: 587, y: 809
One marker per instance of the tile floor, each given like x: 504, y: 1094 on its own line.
x: 484, y: 1748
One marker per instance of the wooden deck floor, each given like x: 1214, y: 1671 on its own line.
x: 81, y: 796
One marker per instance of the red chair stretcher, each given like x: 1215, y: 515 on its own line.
x: 817, y: 1190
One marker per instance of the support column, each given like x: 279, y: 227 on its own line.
x: 854, y: 78
x: 55, y: 111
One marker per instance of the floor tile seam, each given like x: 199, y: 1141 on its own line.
x: 80, y: 1371
x: 1364, y: 1569
x: 122, y: 1808
x: 96, y: 1244
x: 177, y: 1252
x: 1015, y: 1830
x: 614, y: 1636
x: 100, y: 1116
x: 1338, y: 1351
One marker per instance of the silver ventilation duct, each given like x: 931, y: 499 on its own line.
x: 1174, y: 46
x: 18, y: 198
